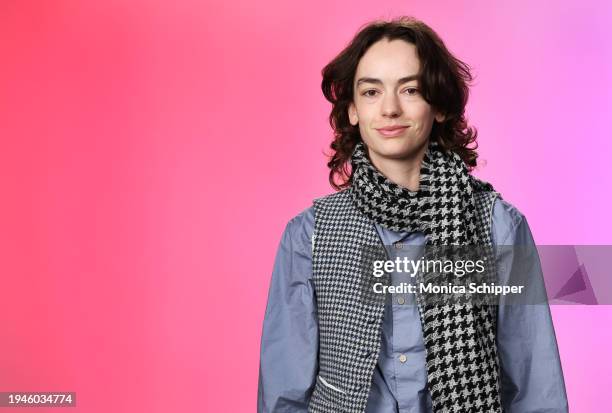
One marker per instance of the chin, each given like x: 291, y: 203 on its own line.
x: 396, y: 148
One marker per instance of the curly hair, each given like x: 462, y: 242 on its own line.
x: 443, y: 80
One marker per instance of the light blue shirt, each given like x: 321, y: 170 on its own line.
x: 532, y: 377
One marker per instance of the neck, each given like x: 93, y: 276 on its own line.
x: 405, y: 172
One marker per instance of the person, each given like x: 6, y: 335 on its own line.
x: 401, y: 160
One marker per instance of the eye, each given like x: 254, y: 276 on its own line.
x: 411, y: 91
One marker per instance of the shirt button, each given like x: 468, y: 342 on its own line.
x: 398, y: 245
x: 403, y: 358
x: 400, y: 300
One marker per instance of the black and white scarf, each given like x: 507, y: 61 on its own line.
x: 442, y: 208
x: 459, y: 336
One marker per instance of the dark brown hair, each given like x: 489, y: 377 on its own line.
x: 443, y: 81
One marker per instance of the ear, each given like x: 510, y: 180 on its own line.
x: 352, y: 114
x: 440, y: 117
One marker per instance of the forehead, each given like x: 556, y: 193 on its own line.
x: 389, y: 60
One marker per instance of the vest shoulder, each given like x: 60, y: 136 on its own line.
x: 334, y: 197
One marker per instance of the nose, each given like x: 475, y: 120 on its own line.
x: 391, y: 107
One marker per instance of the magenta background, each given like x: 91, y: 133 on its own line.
x: 153, y: 151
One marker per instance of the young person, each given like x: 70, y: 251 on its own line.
x: 399, y: 99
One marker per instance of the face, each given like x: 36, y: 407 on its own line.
x: 386, y: 93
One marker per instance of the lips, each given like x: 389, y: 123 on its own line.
x: 391, y: 131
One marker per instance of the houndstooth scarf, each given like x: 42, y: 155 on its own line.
x: 443, y: 207
x: 459, y: 335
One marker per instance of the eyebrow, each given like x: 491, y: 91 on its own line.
x: 404, y: 79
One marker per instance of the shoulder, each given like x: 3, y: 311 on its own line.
x: 299, y: 229
x: 302, y: 222
x: 505, y: 220
x: 332, y: 199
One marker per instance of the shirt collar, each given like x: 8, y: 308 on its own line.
x: 391, y: 237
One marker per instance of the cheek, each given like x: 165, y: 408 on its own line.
x: 422, y: 112
x: 422, y: 116
x: 367, y: 112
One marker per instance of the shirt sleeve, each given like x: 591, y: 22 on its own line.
x: 532, y: 377
x: 290, y: 340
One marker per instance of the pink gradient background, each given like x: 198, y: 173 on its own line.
x: 153, y: 151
